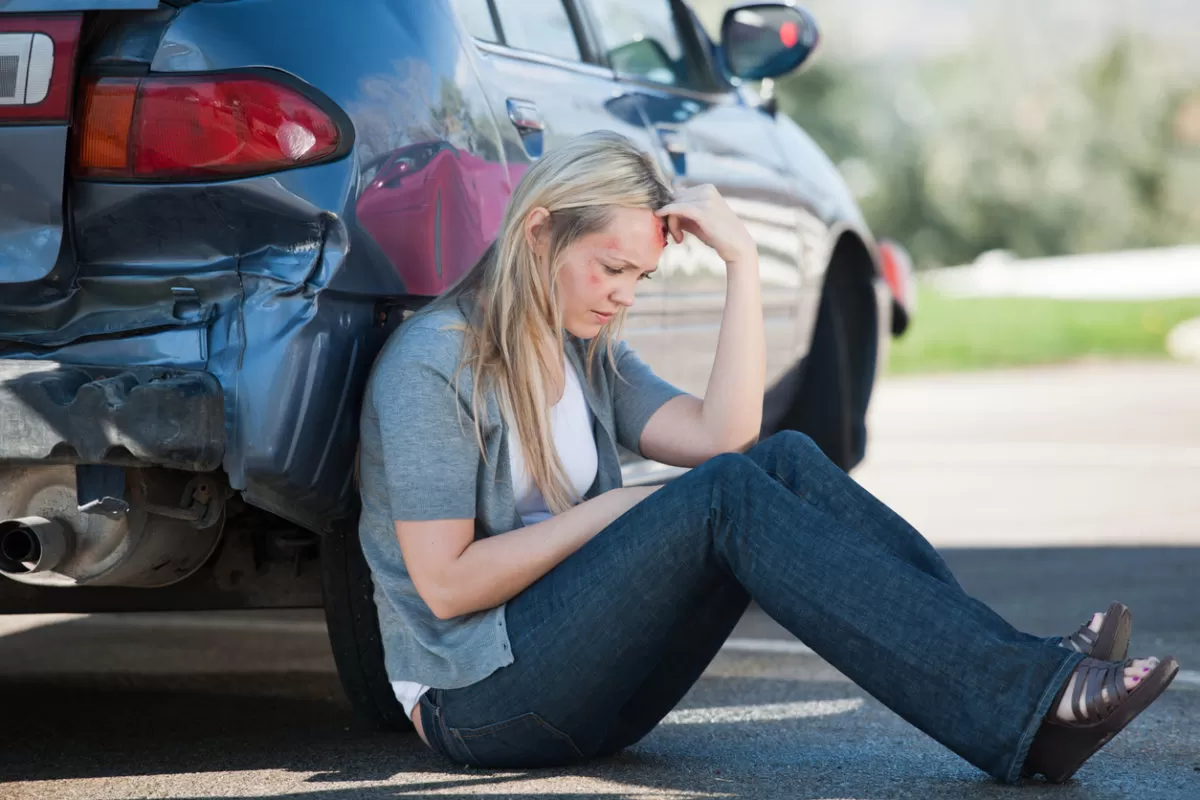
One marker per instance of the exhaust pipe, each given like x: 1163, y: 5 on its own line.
x: 31, y: 544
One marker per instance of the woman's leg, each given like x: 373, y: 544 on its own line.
x: 795, y: 460
x: 604, y: 646
x: 689, y: 649
x: 591, y: 632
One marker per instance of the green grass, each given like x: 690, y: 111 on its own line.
x: 953, y: 333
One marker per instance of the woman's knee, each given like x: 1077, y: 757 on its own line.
x: 787, y: 444
x: 728, y: 477
x: 728, y: 465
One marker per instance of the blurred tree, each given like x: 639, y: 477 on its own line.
x: 969, y: 153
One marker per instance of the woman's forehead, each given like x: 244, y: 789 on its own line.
x: 634, y: 234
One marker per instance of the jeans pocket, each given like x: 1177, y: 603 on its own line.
x: 525, y: 740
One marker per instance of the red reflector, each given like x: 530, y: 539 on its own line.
x: 197, y: 127
x: 789, y: 34
x: 37, y: 60
x: 898, y: 273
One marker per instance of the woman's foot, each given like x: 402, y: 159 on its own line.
x: 1096, y: 704
x: 1135, y: 670
x: 1105, y: 636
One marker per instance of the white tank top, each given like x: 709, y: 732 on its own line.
x: 571, y: 425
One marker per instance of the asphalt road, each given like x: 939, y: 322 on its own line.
x: 1050, y: 491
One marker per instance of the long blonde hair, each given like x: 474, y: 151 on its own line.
x: 580, y: 182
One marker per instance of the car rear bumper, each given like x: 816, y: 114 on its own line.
x: 139, y: 416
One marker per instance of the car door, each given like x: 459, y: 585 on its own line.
x: 536, y: 62
x: 708, y: 134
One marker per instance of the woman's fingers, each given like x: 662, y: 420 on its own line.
x: 701, y: 211
x: 678, y: 216
x: 675, y: 226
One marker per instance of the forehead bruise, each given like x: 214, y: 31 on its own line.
x: 632, y: 237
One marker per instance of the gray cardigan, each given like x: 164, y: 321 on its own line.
x: 417, y: 462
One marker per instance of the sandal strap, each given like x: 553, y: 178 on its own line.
x: 1082, y: 640
x: 1095, y: 679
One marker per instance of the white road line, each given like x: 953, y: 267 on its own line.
x: 16, y: 623
x: 161, y: 621
x: 768, y: 646
x: 174, y: 622
x: 769, y: 712
x: 1187, y: 678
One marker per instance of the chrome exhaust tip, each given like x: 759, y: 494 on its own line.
x: 31, y: 544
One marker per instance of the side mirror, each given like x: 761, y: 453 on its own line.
x: 766, y: 40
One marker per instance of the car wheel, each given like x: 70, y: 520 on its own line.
x: 836, y: 378
x: 353, y: 625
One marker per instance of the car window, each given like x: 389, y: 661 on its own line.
x: 477, y: 17
x: 540, y: 26
x: 641, y: 39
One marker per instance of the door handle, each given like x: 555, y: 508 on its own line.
x: 525, y: 116
x: 675, y: 143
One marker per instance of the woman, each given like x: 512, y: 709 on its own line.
x: 559, y: 616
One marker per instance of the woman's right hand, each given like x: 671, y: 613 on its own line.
x: 703, y: 212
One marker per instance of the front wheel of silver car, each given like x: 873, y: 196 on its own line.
x: 353, y: 625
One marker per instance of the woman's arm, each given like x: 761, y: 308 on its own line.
x: 687, y: 431
x: 456, y: 575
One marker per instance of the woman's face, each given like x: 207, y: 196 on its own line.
x: 600, y: 271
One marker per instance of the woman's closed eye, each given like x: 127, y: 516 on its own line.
x: 617, y: 271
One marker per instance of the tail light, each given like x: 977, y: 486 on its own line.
x: 897, y: 269
x: 199, y: 127
x: 37, y: 56
x: 898, y: 273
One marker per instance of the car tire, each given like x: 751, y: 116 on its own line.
x: 353, y: 624
x: 837, y: 376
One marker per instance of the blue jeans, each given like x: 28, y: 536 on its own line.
x: 610, y: 640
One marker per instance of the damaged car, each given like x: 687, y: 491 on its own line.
x: 213, y: 214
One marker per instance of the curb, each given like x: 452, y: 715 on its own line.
x: 1183, y: 342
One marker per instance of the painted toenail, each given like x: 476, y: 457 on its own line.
x: 1136, y: 679
x: 1145, y: 669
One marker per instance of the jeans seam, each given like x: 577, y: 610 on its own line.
x: 561, y: 734
x: 1040, y: 710
x: 495, y: 727
x: 498, y: 727
x: 448, y: 735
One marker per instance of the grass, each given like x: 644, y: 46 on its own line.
x: 955, y: 333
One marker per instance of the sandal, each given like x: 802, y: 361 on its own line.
x: 1060, y: 748
x: 1110, y: 643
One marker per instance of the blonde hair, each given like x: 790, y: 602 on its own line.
x: 581, y: 182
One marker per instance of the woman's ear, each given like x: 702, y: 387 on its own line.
x: 537, y: 231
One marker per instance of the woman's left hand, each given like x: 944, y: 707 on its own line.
x: 702, y: 212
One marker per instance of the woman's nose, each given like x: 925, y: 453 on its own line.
x: 623, y: 296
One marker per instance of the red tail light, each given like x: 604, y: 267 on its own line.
x: 898, y: 273
x: 187, y: 128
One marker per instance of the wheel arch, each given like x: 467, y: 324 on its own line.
x: 827, y: 393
